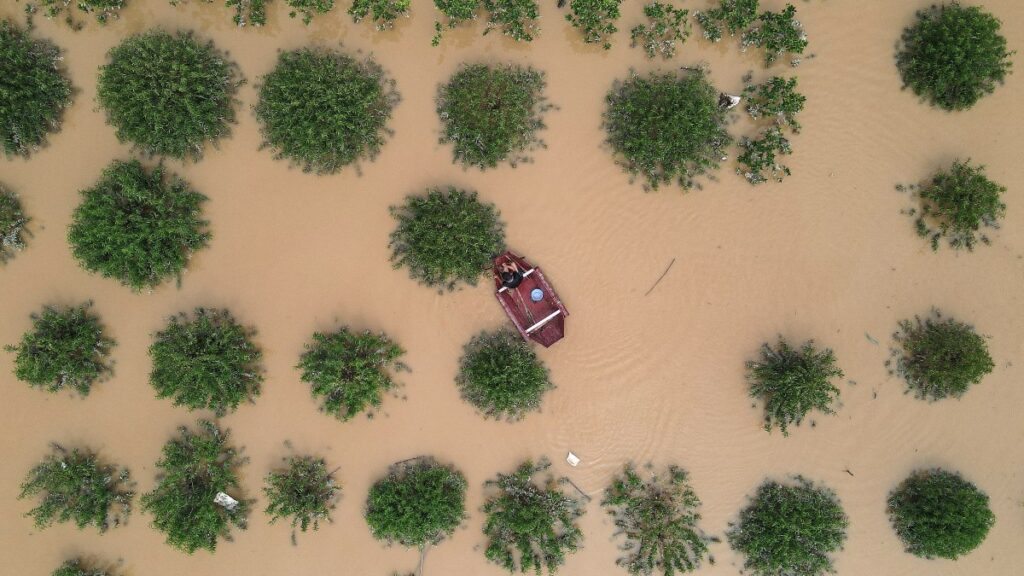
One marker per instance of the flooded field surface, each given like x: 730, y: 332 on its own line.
x: 640, y: 377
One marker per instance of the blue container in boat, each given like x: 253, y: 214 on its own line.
x: 536, y: 294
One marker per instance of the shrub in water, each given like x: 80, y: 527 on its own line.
x: 940, y: 357
x: 778, y: 33
x: 167, y: 94
x: 595, y: 20
x: 667, y: 27
x: 446, y: 237
x: 501, y: 375
x: 455, y: 12
x: 33, y: 90
x: 419, y: 503
x: 206, y: 362
x: 953, y: 55
x: 658, y: 519
x: 957, y: 204
x: 759, y: 158
x: 382, y: 12
x: 777, y: 99
x: 66, y: 349
x: 516, y: 19
x: 309, y: 8
x: 666, y: 127
x: 194, y: 468
x: 531, y: 524
x: 13, y: 224
x: 324, y: 110
x: 303, y: 490
x: 939, y: 514
x: 348, y: 371
x: 492, y: 114
x: 74, y: 485
x: 78, y: 567
x: 247, y: 12
x: 793, y: 382
x: 790, y: 529
x: 137, y: 226
x: 102, y: 10
x: 732, y: 16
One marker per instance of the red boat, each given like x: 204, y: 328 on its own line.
x: 529, y: 300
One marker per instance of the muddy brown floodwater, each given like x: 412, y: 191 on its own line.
x: 655, y: 378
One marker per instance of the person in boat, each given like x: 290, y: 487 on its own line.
x: 511, y: 276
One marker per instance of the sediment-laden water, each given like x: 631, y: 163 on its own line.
x: 658, y: 377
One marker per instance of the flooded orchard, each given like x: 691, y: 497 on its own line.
x: 643, y: 375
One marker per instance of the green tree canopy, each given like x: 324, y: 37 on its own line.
x: 419, y: 503
x: 791, y: 382
x: 13, y: 222
x: 303, y: 490
x: 501, y: 375
x: 958, y: 205
x: 939, y: 514
x: 940, y: 357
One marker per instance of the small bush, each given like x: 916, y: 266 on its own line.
x: 455, y: 12
x: 13, y: 222
x: 446, y: 237
x: 206, y: 362
x: 247, y: 12
x: 75, y: 486
x: 137, y: 226
x: 658, y: 519
x: 67, y: 348
x: 777, y: 99
x: 595, y: 19
x: 516, y: 19
x: 940, y: 357
x: 419, y: 503
x: 778, y: 33
x: 939, y: 514
x: 793, y: 382
x: 790, y: 529
x: 348, y: 371
x: 77, y: 567
x: 492, y: 114
x: 33, y: 91
x: 382, y: 12
x: 668, y: 26
x: 102, y: 10
x: 195, y: 467
x: 666, y: 127
x: 309, y: 8
x: 957, y: 204
x: 304, y: 490
x: 501, y: 375
x: 759, y: 158
x: 953, y: 55
x: 732, y: 16
x: 530, y: 525
x: 323, y: 110
x: 169, y: 95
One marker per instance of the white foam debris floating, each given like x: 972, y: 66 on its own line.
x: 572, y: 459
x: 226, y: 501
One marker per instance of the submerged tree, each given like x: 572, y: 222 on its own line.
x: 13, y: 222
x: 324, y: 110
x: 595, y: 19
x: 732, y: 16
x: 531, y: 525
x: 778, y: 33
x: 790, y: 529
x: 74, y: 485
x: 207, y: 362
x: 492, y: 114
x: 187, y: 506
x: 383, y: 13
x: 455, y: 13
x: 666, y: 127
x: 957, y: 204
x: 138, y: 226
x: 67, y: 348
x: 939, y: 514
x: 101, y: 10
x: 307, y: 9
x: 658, y: 519
x: 792, y: 382
x: 247, y: 12
x: 501, y: 375
x: 759, y: 158
x: 667, y: 26
x: 776, y: 99
x: 78, y: 567
x: 953, y: 55
x: 418, y: 504
x: 33, y: 91
x: 939, y: 357
x: 348, y: 371
x: 445, y: 237
x: 516, y: 19
x: 304, y: 490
